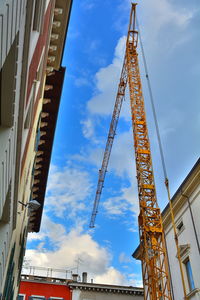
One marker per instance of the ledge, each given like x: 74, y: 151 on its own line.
x: 193, y: 292
x: 105, y: 288
x: 43, y: 155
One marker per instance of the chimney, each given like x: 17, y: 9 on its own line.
x: 75, y: 277
x: 84, y: 277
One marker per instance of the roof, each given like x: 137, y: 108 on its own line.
x: 96, y: 287
x: 185, y: 181
x: 43, y: 279
x: 59, y: 30
x: 54, y: 83
x: 193, y: 171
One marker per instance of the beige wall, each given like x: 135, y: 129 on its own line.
x: 92, y: 295
x: 17, y: 44
x: 23, y: 212
x: 15, y: 185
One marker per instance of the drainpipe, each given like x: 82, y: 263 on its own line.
x: 193, y: 223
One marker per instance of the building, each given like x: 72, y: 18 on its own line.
x: 94, y: 291
x: 40, y: 287
x: 32, y: 37
x: 186, y: 207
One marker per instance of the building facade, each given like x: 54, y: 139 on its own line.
x: 95, y: 291
x: 32, y: 36
x: 43, y: 288
x: 186, y: 207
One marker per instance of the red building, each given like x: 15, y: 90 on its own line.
x: 40, y: 288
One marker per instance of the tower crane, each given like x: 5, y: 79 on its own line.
x: 152, y: 242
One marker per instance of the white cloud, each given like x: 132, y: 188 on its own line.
x: 163, y: 12
x: 106, y: 83
x: 126, y: 202
x: 48, y: 229
x: 122, y: 158
x: 67, y: 189
x: 135, y: 280
x: 163, y: 27
x: 121, y: 164
x: 88, y: 128
x: 87, y: 4
x: 157, y: 15
x: 111, y: 276
x: 68, y: 247
x: 123, y: 258
x: 81, y: 81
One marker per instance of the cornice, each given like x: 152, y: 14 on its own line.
x: 60, y: 23
x: 186, y: 189
x: 103, y: 288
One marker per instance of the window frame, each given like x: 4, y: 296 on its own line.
x: 23, y: 295
x: 189, y: 274
x: 56, y: 298
x: 39, y: 297
x: 180, y: 226
x: 38, y: 15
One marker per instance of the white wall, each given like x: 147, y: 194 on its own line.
x: 12, y: 26
x: 186, y: 236
x: 92, y: 295
x: 10, y: 20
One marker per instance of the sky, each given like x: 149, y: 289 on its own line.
x: 93, y: 57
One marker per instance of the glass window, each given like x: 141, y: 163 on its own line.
x: 21, y: 297
x: 36, y: 297
x: 56, y: 298
x: 189, y: 275
x: 38, y: 18
x: 180, y: 226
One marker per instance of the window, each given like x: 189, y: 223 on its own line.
x: 35, y: 297
x: 8, y: 86
x: 9, y: 283
x: 55, y: 298
x: 180, y: 226
x: 189, y: 274
x: 21, y: 297
x: 37, y: 138
x: 21, y: 254
x: 38, y: 15
x: 29, y: 115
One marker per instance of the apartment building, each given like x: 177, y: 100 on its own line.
x: 32, y: 37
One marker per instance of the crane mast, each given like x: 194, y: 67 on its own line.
x: 152, y: 241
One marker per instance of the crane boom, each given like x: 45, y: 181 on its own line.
x: 152, y: 241
x: 111, y: 135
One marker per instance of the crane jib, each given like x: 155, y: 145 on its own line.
x: 152, y: 242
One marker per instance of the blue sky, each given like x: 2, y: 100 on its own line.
x: 93, y: 58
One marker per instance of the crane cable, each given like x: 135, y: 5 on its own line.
x: 162, y: 160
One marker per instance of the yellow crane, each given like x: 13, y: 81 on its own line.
x: 152, y: 241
